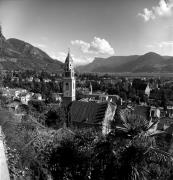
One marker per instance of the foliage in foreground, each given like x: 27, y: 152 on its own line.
x: 129, y: 152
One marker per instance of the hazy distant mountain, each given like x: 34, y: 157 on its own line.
x: 19, y: 55
x: 110, y: 64
x: 150, y: 62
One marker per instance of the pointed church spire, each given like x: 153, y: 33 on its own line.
x: 68, y: 58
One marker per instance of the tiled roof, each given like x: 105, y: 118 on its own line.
x: 88, y: 112
x: 143, y: 111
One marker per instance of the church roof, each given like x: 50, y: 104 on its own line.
x: 68, y: 58
x: 88, y: 112
x: 143, y: 111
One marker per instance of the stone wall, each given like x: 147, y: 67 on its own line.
x: 4, y: 173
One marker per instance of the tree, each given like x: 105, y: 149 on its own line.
x: 68, y: 162
x: 55, y: 117
x: 71, y: 159
x: 130, y: 152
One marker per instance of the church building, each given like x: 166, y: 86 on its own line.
x: 83, y: 114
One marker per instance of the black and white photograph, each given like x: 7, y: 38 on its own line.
x: 86, y: 89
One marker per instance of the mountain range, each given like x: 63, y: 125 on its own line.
x: 16, y: 54
x: 19, y: 55
x: 149, y: 63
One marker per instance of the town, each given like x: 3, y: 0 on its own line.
x: 86, y: 90
x: 69, y: 106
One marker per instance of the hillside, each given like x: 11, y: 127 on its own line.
x: 19, y: 55
x: 150, y: 62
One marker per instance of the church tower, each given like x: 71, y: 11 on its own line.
x: 69, y: 82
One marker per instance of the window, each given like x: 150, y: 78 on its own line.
x: 67, y: 74
x: 67, y: 86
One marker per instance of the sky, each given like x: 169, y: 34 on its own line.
x: 90, y: 28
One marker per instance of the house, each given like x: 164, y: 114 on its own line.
x: 148, y: 112
x: 37, y: 96
x: 46, y: 80
x: 57, y: 97
x: 116, y: 99
x: 13, y: 93
x: 58, y: 80
x: 19, y: 91
x: 92, y: 114
x: 14, y: 106
x: 30, y: 79
x: 15, y: 79
x: 170, y: 111
x: 147, y: 90
x: 37, y: 80
x: 25, y: 98
x: 155, y: 112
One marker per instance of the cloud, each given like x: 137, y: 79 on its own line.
x: 166, y: 47
x: 164, y: 9
x: 147, y: 15
x: 149, y: 46
x: 165, y: 44
x: 97, y: 46
x: 61, y: 56
x: 83, y: 45
x: 41, y: 45
x: 77, y: 60
x: 81, y: 60
x: 163, y: 47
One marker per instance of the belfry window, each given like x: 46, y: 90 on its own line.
x: 67, y: 86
